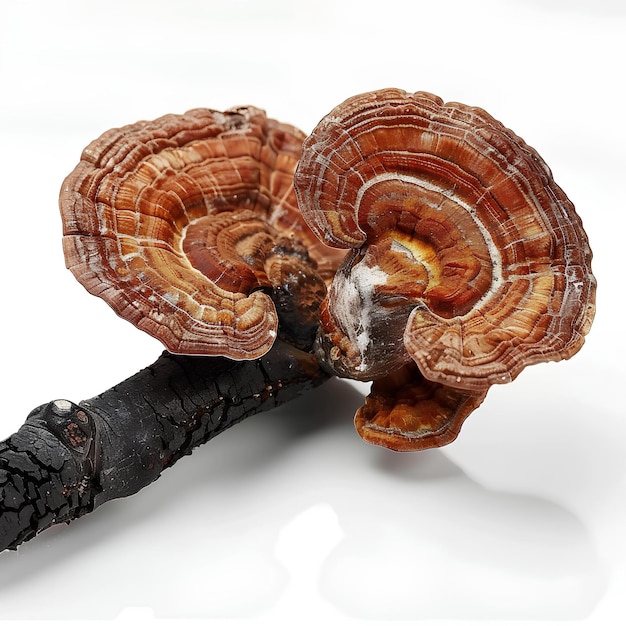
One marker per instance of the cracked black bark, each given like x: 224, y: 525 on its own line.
x: 67, y: 459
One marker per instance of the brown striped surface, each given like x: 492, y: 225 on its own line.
x: 175, y: 222
x: 467, y: 258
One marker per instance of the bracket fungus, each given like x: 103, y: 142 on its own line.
x: 466, y: 261
x: 188, y: 227
x: 433, y: 254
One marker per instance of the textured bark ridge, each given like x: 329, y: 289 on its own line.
x: 67, y: 459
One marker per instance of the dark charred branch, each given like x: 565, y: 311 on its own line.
x: 67, y: 459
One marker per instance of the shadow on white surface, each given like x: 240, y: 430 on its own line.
x: 450, y: 548
x: 290, y: 509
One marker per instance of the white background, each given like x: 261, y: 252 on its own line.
x: 290, y: 518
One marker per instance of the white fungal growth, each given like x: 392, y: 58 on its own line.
x: 355, y: 293
x: 63, y: 406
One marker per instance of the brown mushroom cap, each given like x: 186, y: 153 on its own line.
x: 182, y: 225
x: 467, y: 258
x: 404, y: 411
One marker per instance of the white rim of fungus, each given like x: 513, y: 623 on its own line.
x: 494, y: 253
